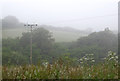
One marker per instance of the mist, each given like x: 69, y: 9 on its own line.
x: 78, y: 14
x: 59, y: 39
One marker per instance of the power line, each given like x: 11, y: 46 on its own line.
x: 87, y: 18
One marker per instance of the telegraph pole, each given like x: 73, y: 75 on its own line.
x: 31, y: 28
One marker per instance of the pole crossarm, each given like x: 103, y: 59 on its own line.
x: 30, y: 24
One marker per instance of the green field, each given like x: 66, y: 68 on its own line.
x: 60, y: 36
x: 12, y: 33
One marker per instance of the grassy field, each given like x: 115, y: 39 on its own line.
x: 12, y: 33
x: 60, y: 36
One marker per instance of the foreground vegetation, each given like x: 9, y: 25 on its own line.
x: 64, y: 70
x: 59, y: 71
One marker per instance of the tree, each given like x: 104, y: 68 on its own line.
x: 17, y: 49
x: 104, y: 39
x: 98, y: 43
x: 11, y: 22
x: 42, y: 43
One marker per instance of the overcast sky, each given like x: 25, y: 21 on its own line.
x: 80, y: 14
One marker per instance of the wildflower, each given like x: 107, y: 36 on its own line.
x: 81, y: 62
x: 85, y: 58
x: 93, y: 60
x: 45, y: 64
x: 81, y: 59
x: 116, y: 57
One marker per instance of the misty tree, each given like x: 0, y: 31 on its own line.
x: 17, y: 49
x: 105, y: 39
x: 42, y: 42
x: 10, y: 22
x: 98, y: 43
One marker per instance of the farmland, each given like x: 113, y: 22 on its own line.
x: 60, y: 36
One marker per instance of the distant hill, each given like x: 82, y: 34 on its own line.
x: 12, y: 27
x: 65, y: 34
x: 66, y: 29
x: 60, y: 34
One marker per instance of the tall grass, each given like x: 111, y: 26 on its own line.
x: 61, y: 70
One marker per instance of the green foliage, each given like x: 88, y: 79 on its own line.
x: 105, y: 39
x: 20, y: 47
x: 44, y: 47
x: 98, y: 43
x: 59, y: 70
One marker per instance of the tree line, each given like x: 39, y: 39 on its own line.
x: 17, y: 50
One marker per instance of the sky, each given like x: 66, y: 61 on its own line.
x: 79, y: 14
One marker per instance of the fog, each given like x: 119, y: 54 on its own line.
x: 59, y: 39
x: 79, y: 14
